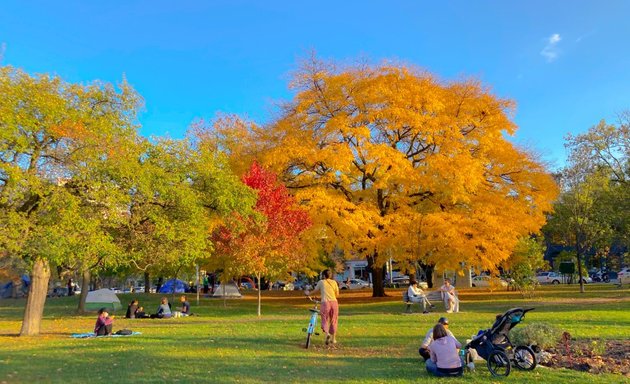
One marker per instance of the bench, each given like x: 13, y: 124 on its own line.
x: 433, y: 296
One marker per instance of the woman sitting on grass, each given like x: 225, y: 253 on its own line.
x: 164, y: 310
x: 444, y: 355
x: 104, y: 323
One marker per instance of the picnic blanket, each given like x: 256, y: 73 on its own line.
x: 92, y: 334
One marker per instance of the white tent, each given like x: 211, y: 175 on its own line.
x: 229, y: 290
x: 102, y: 298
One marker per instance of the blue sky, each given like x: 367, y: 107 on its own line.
x: 566, y: 63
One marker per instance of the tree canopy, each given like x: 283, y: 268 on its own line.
x: 392, y: 162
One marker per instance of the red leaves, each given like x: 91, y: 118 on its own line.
x: 253, y: 245
x: 274, y: 201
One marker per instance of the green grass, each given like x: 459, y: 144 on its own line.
x: 378, y: 343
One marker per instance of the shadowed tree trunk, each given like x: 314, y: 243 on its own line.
x: 31, y: 324
x: 147, y: 282
x: 85, y: 287
x: 428, y: 271
x: 378, y: 280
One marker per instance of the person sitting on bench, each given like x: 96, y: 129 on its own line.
x: 416, y: 295
x: 104, y: 323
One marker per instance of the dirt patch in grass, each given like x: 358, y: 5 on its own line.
x: 594, y: 356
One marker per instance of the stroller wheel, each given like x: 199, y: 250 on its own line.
x: 498, y: 363
x: 524, y: 358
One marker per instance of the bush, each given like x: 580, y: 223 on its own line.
x: 540, y: 334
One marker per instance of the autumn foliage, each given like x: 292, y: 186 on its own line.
x: 266, y: 244
x: 392, y: 162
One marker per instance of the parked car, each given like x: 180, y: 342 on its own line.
x: 548, y: 278
x: 587, y: 279
x: 623, y: 276
x: 488, y: 281
x: 354, y: 284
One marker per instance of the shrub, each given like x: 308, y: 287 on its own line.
x: 540, y: 334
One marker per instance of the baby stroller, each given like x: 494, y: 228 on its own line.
x: 494, y: 345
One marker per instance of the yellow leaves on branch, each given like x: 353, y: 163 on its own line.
x: 391, y: 161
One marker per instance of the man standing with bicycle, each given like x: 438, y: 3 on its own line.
x: 329, y: 291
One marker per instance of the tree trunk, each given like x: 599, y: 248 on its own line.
x: 34, y: 311
x: 579, y: 261
x: 428, y: 272
x: 85, y: 287
x: 147, y: 282
x: 378, y: 286
x: 258, y: 278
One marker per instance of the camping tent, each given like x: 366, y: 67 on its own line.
x: 180, y: 286
x: 102, y: 298
x: 229, y: 290
x: 6, y: 290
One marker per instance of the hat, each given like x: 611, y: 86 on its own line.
x: 104, y: 309
x: 443, y: 320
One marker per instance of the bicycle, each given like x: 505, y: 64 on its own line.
x: 312, y: 324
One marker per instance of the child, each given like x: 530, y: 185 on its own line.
x: 104, y: 323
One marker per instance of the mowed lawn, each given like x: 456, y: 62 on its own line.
x: 377, y: 342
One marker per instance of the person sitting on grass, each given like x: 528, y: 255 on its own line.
x: 141, y: 314
x: 132, y: 308
x: 444, y: 354
x: 185, y: 306
x: 428, y: 339
x: 104, y: 323
x: 164, y: 310
x: 416, y: 295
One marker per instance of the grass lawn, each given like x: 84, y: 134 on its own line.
x: 377, y: 342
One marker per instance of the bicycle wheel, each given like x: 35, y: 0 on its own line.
x: 498, y: 363
x: 524, y: 358
x: 308, y: 339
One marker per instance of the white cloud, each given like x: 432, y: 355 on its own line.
x: 551, y: 51
x: 3, y: 48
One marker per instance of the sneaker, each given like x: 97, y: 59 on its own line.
x: 425, y: 312
x: 432, y: 306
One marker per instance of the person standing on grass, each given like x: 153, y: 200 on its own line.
x: 329, y: 291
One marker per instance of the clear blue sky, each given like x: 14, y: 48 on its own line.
x: 566, y: 63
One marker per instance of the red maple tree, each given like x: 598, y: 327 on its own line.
x: 268, y: 243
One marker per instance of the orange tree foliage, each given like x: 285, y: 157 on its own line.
x: 393, y: 163
x: 269, y: 243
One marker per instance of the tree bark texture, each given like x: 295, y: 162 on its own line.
x: 34, y: 311
x: 86, y: 277
x: 378, y: 281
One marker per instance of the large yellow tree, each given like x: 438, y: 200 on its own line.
x: 394, y: 163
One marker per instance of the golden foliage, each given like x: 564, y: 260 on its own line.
x: 392, y: 162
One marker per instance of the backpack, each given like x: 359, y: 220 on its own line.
x: 124, y: 332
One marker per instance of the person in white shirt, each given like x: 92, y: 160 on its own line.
x: 416, y: 295
x: 451, y: 301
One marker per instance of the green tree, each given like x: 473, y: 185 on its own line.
x: 526, y: 260
x: 593, y: 210
x: 53, y: 136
